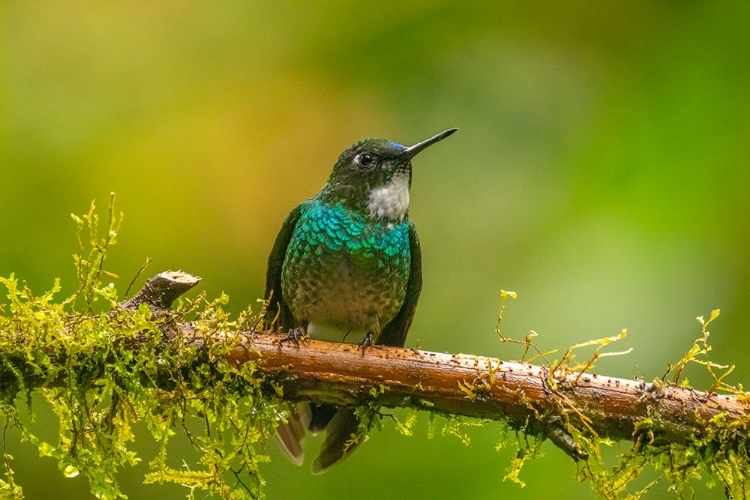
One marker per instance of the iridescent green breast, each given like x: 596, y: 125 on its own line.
x: 345, y: 271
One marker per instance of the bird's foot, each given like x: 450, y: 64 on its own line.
x: 365, y: 342
x: 294, y: 335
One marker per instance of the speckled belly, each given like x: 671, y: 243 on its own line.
x: 344, y: 273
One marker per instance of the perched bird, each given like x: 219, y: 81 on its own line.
x: 347, y: 265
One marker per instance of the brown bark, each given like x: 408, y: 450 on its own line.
x: 526, y: 396
x: 523, y: 394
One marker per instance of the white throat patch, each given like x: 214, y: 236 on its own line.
x: 392, y: 200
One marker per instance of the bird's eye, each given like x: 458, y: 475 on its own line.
x: 365, y: 160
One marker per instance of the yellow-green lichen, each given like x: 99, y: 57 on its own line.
x: 102, y: 368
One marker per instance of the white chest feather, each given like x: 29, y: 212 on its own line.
x: 392, y: 200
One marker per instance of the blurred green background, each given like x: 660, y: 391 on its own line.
x: 601, y: 171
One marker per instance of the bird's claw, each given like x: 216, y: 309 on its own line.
x: 365, y: 342
x: 294, y: 335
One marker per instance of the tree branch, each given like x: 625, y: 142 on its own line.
x: 571, y: 409
x: 527, y: 396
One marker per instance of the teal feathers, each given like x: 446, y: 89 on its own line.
x: 345, y: 271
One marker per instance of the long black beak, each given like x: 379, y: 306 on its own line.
x: 411, y: 152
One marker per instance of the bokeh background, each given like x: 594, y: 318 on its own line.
x: 601, y: 171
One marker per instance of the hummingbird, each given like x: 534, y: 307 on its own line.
x: 347, y: 264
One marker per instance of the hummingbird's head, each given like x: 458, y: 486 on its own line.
x: 373, y: 176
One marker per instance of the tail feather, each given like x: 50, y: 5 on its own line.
x: 320, y: 417
x: 342, y: 436
x: 291, y: 434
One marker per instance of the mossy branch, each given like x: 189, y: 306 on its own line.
x: 524, y: 395
x: 208, y: 368
x: 576, y: 410
x: 529, y: 397
x: 568, y: 408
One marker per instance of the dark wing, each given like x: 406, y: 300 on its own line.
x: 276, y: 304
x: 342, y: 436
x: 394, y: 333
x: 290, y: 434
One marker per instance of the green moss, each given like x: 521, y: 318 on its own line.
x: 717, y: 456
x: 98, y: 385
